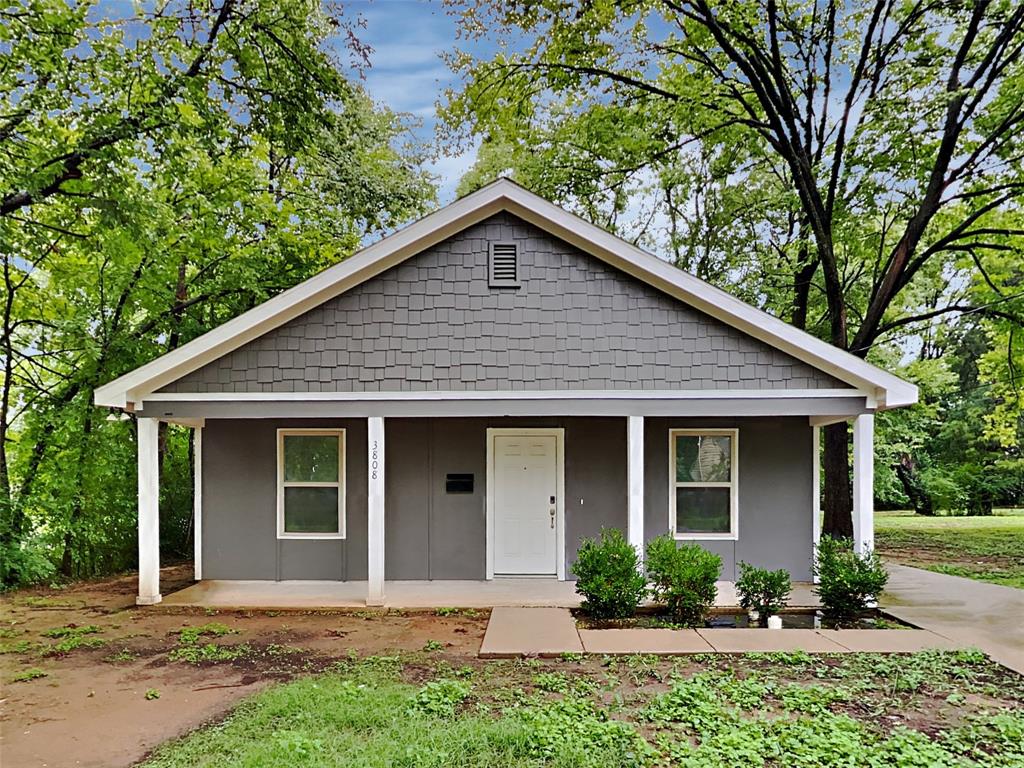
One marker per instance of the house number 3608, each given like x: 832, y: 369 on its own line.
x: 374, y: 460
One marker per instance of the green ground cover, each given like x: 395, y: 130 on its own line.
x: 925, y: 709
x: 984, y: 548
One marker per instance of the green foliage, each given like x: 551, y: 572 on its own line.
x: 189, y: 649
x: 608, y: 576
x: 440, y: 698
x: 762, y: 590
x: 26, y: 675
x: 173, y: 173
x: 847, y: 581
x: 151, y: 694
x: 433, y: 645
x: 683, y: 578
x: 572, y: 730
x: 798, y: 710
x: 72, y: 631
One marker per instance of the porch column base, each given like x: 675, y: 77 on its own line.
x: 148, y: 599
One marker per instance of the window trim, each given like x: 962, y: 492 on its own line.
x: 733, y: 484
x: 282, y: 484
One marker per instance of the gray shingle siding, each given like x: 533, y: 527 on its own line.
x: 434, y: 323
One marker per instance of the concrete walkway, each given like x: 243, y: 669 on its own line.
x: 284, y: 595
x: 967, y: 612
x: 514, y: 632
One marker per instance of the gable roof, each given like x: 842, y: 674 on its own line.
x: 885, y: 389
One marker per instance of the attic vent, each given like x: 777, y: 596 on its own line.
x: 503, y: 271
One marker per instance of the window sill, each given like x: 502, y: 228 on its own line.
x: 311, y: 536
x: 707, y: 537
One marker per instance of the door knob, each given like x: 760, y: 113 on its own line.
x: 552, y: 511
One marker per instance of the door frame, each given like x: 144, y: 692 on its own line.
x: 559, y: 434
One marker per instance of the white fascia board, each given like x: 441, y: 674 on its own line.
x: 578, y: 394
x: 889, y: 390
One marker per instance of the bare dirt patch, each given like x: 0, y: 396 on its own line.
x: 91, y: 707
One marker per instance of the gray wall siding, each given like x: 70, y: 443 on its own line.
x: 240, y: 506
x: 431, y: 534
x: 433, y: 323
x: 775, y: 466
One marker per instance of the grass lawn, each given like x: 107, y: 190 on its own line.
x: 984, y: 548
x: 926, y: 709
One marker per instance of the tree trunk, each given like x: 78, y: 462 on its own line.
x: 838, y: 521
x: 67, y: 561
x: 920, y: 499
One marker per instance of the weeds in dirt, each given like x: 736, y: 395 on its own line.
x: 47, y: 602
x: 124, y: 656
x: 72, y: 638
x: 189, y: 649
x: 152, y: 694
x: 33, y: 673
x: 793, y: 710
x: 432, y: 646
x: 22, y: 646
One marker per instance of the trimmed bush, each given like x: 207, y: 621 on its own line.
x: 762, y: 590
x: 608, y: 576
x: 848, y: 582
x: 683, y: 578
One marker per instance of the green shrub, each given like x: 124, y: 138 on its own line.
x: 848, y: 581
x: 683, y: 578
x: 608, y: 576
x: 762, y: 590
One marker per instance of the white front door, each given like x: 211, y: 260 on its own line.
x: 525, y: 488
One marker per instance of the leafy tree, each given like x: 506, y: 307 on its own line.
x: 853, y: 167
x: 160, y: 172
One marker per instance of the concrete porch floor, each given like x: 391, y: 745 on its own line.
x: 545, y: 593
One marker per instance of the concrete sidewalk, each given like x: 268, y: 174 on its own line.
x: 515, y: 632
x: 967, y: 612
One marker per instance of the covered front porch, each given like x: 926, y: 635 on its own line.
x: 627, y: 487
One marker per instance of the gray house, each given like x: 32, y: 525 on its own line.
x: 471, y: 396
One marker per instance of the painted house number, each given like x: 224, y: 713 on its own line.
x: 374, y: 460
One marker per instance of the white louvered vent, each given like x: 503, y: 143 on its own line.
x: 503, y: 266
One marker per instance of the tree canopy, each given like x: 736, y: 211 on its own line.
x: 161, y: 171
x: 855, y: 168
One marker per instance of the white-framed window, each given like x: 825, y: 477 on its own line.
x: 704, y: 483
x: 311, y: 483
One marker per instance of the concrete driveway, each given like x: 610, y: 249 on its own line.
x: 969, y: 612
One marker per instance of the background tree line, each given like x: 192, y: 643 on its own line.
x: 160, y: 172
x: 856, y: 168
x: 853, y: 168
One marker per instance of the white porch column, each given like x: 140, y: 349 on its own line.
x: 635, y: 481
x: 375, y: 511
x: 864, y: 483
x: 149, y: 512
x: 197, y: 501
x: 815, y: 492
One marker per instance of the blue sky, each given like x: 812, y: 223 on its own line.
x: 407, y: 73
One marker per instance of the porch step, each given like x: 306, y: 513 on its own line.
x: 514, y: 632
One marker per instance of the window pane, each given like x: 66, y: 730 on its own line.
x: 703, y: 458
x: 311, y: 458
x: 311, y: 510
x: 702, y: 510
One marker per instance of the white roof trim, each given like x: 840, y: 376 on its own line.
x: 504, y: 195
x: 534, y: 394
